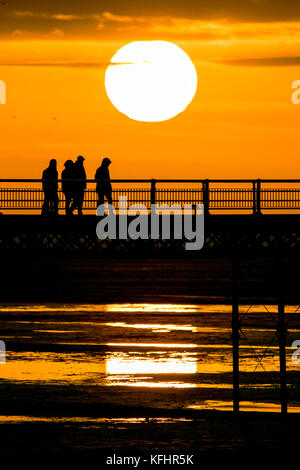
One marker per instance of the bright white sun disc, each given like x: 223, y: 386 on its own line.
x: 151, y: 80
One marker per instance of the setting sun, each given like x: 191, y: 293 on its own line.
x: 151, y: 80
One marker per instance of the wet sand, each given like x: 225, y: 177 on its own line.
x: 62, y: 392
x: 92, y: 378
x: 210, y: 435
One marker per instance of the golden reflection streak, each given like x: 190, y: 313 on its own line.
x: 146, y: 366
x: 141, y: 307
x: 56, y: 331
x: 155, y: 345
x: 160, y: 327
x: 244, y: 406
x: 178, y: 308
x: 49, y: 370
x: 154, y: 326
x: 55, y: 368
x: 155, y: 384
x: 182, y: 345
x: 161, y: 384
x: 87, y: 419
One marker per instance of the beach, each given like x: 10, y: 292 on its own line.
x: 154, y: 372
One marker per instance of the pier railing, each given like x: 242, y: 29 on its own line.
x: 255, y: 196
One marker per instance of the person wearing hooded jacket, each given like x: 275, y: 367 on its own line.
x: 103, y: 188
x: 67, y: 185
x: 79, y: 186
x: 50, y: 187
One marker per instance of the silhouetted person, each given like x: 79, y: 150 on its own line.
x: 103, y: 188
x: 50, y: 187
x: 79, y: 186
x: 67, y: 184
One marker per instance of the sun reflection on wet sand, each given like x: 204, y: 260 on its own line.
x: 50, y: 367
x: 154, y: 346
x: 244, y: 406
x: 87, y: 419
x: 142, y: 307
x: 127, y: 308
x: 164, y: 328
x: 154, y: 327
x: 180, y: 365
x: 160, y: 308
x: 119, y: 308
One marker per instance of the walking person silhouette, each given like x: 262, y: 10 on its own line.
x: 103, y: 188
x: 79, y: 186
x: 50, y: 187
x: 68, y: 185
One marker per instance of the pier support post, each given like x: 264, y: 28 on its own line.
x: 281, y: 333
x: 281, y: 329
x: 235, y: 324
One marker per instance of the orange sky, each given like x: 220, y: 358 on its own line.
x: 241, y: 123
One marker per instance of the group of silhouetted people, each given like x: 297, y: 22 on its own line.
x: 73, y: 185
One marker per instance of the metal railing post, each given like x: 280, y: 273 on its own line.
x: 205, y: 189
x: 258, y: 194
x: 153, y: 192
x: 254, y: 197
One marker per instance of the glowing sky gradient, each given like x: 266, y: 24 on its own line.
x: 242, y: 123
